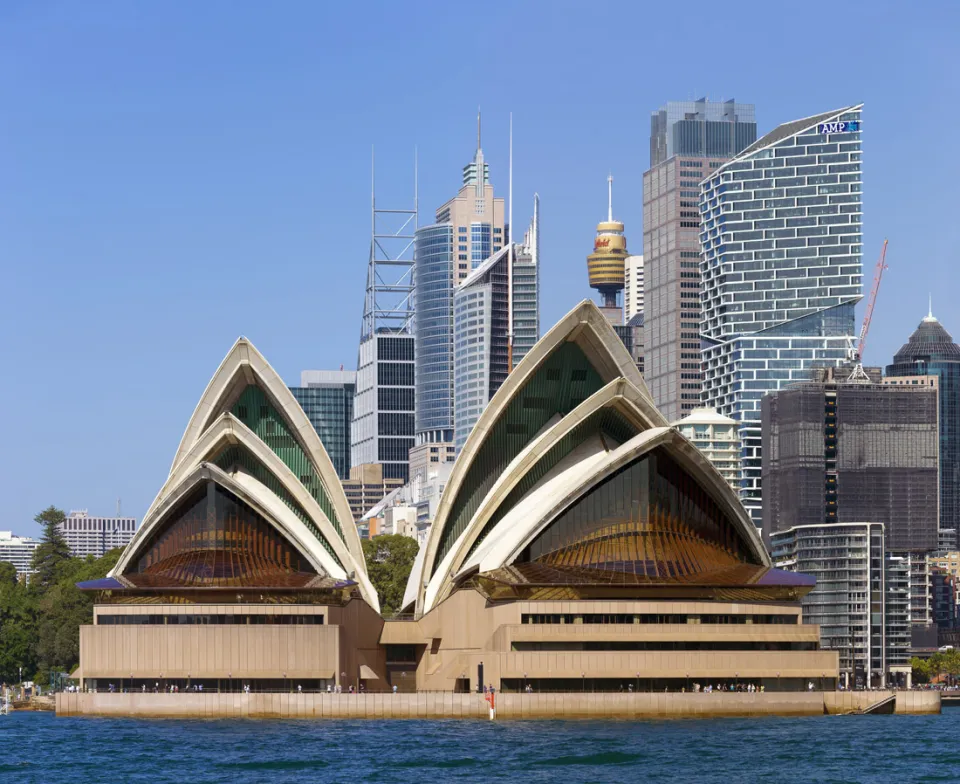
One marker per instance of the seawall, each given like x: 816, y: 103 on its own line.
x: 444, y: 705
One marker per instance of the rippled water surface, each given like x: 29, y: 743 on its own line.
x: 38, y: 747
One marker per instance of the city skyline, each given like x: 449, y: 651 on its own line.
x: 134, y: 197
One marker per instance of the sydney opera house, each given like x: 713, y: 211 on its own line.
x: 581, y: 543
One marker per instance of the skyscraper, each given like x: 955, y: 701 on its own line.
x: 326, y: 397
x: 930, y: 351
x: 781, y: 269
x: 688, y: 141
x: 469, y: 228
x: 383, y: 407
x: 841, y: 448
x: 632, y: 286
x: 481, y: 315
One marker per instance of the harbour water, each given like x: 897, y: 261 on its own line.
x: 41, y: 748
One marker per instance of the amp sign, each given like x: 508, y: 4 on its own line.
x: 839, y: 127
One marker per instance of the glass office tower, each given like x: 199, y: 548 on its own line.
x: 689, y: 140
x: 326, y: 397
x: 482, y: 311
x: 469, y: 228
x: 781, y: 269
x: 930, y: 351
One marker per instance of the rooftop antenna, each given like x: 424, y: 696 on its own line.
x: 610, y: 198
x: 509, y: 252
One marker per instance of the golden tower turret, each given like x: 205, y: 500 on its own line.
x: 605, y: 266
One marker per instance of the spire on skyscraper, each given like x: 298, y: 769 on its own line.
x: 930, y: 317
x: 477, y: 172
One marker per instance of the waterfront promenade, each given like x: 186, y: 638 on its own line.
x: 445, y: 705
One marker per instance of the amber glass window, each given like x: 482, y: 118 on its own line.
x: 650, y: 518
x: 213, y: 538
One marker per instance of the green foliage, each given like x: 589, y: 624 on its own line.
x: 921, y: 669
x: 63, y: 609
x: 53, y: 553
x: 944, y: 663
x: 16, y: 627
x: 40, y: 622
x: 389, y: 561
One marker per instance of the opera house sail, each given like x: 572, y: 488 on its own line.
x: 249, y: 551
x: 581, y: 542
x: 590, y: 544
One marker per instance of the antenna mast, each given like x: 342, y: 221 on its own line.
x: 610, y: 198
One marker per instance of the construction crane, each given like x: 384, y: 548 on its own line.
x: 857, y: 353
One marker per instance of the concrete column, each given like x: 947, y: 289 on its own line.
x: 910, y: 679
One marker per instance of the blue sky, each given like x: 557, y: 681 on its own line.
x: 173, y: 175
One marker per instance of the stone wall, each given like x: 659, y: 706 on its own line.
x: 437, y: 705
x: 907, y: 701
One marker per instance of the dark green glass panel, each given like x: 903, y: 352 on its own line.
x: 238, y: 457
x: 564, y: 380
x: 255, y: 410
x: 608, y: 423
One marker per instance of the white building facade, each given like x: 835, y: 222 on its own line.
x: 95, y: 536
x: 18, y: 550
x: 849, y: 600
x: 632, y: 286
x: 781, y: 269
x: 718, y: 438
x: 481, y: 315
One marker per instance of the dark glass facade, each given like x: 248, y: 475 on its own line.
x: 701, y: 129
x: 564, y: 380
x: 330, y: 410
x: 213, y: 539
x: 849, y: 453
x: 650, y: 518
x: 931, y: 351
x: 257, y: 412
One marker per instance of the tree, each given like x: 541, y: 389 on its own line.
x: 63, y: 609
x: 50, y: 558
x: 921, y: 669
x: 389, y: 561
x: 16, y: 626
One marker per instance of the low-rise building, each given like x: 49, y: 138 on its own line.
x: 366, y: 487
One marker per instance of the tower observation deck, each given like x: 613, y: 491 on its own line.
x: 605, y: 266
